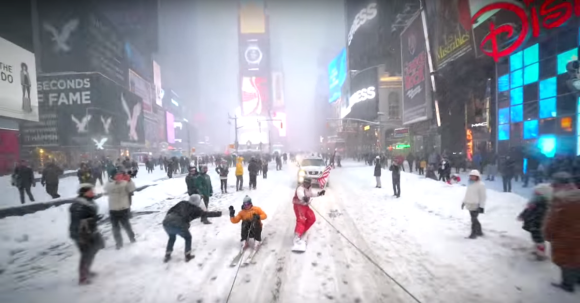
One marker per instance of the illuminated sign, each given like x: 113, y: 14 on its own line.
x: 400, y: 132
x: 367, y: 127
x: 479, y: 124
x: 255, y: 95
x: 363, y: 95
x: 252, y: 17
x: 337, y: 75
x: 366, y: 14
x: 402, y: 146
x: 546, y: 16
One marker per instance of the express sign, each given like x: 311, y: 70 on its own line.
x: 548, y: 15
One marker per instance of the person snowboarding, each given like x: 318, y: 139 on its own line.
x: 474, y: 202
x: 305, y: 217
x: 533, y: 218
x: 378, y: 171
x: 239, y: 174
x: 223, y: 172
x: 83, y: 230
x: 251, y: 217
x: 396, y: 177
x: 177, y: 222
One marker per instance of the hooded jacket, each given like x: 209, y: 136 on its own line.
x: 562, y: 228
x: 475, y: 196
x: 83, y: 218
x: 248, y: 215
x: 182, y: 213
x: 119, y: 192
x: 240, y: 167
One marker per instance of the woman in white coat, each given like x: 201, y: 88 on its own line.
x: 474, y: 202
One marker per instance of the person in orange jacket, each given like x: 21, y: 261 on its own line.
x: 251, y: 217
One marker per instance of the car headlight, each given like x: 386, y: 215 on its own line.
x: 300, y: 179
x: 301, y: 173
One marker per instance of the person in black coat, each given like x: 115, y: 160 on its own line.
x: 49, y: 180
x: 533, y: 217
x: 265, y: 168
x: 23, y: 179
x: 83, y: 230
x: 223, y: 172
x: 396, y: 176
x: 378, y: 171
x: 253, y: 170
x: 177, y: 222
x: 507, y: 173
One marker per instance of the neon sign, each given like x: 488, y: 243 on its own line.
x: 545, y: 16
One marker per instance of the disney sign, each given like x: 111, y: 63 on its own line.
x: 547, y: 15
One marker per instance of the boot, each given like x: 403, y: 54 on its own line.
x: 167, y: 257
x: 188, y: 256
x: 472, y: 236
x: 540, y: 252
x: 564, y: 287
x: 205, y: 221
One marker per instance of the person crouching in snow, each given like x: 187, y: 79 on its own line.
x: 562, y: 230
x: 177, y: 222
x: 533, y: 217
x: 378, y: 171
x: 251, y: 217
x: 305, y: 217
x: 83, y: 230
x: 474, y: 201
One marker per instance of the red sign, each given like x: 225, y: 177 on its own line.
x: 255, y: 96
x: 550, y: 14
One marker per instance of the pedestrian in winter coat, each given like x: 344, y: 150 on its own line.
x: 422, y: 167
x: 253, y: 172
x: 223, y: 172
x: 507, y: 173
x: 23, y: 179
x: 562, y: 230
x: 50, y: 179
x: 203, y: 185
x: 410, y: 160
x: 251, y: 217
x: 83, y: 230
x: 190, y: 181
x: 177, y: 222
x: 265, y: 168
x: 378, y: 171
x: 239, y: 174
x: 119, y: 192
x: 84, y: 174
x: 533, y: 217
x: 474, y: 202
x: 396, y: 177
x: 305, y: 217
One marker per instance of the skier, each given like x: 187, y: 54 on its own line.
x: 533, y: 217
x: 239, y: 173
x: 253, y: 171
x: 474, y: 201
x: 305, y: 217
x: 177, y: 222
x: 84, y: 231
x: 396, y: 177
x: 251, y: 217
x: 378, y: 171
x: 203, y: 185
x: 223, y: 171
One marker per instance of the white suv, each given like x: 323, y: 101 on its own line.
x: 311, y: 167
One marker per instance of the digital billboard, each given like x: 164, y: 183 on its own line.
x: 255, y: 96
x: 254, y: 54
x: 169, y: 119
x: 252, y: 17
x: 337, y: 75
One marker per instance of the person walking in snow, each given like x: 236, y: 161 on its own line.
x: 305, y: 217
x: 177, y: 222
x: 533, y: 217
x: 223, y: 172
x: 562, y: 230
x: 239, y: 174
x: 474, y: 202
x: 23, y: 179
x: 83, y: 230
x: 396, y: 177
x: 50, y: 179
x: 265, y: 168
x: 119, y: 192
x: 203, y: 185
x: 190, y: 181
x: 378, y: 171
x: 251, y: 217
x: 253, y: 172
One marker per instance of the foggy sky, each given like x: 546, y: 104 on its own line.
x: 199, y: 43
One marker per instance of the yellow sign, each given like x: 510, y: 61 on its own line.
x: 252, y: 17
x: 367, y: 127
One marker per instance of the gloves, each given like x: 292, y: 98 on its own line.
x: 255, y: 217
x: 481, y: 210
x: 462, y: 205
x: 232, y: 211
x: 322, y: 192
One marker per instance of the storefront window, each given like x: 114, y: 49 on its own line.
x: 548, y: 108
x: 530, y: 129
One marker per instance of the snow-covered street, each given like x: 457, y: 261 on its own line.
x: 417, y: 240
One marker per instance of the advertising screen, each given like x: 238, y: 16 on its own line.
x: 363, y: 87
x: 19, y: 97
x: 169, y: 119
x: 337, y: 75
x: 255, y: 96
x: 141, y: 88
x: 254, y: 54
x: 157, y: 83
x: 252, y: 17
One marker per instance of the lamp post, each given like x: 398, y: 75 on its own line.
x: 235, y: 118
